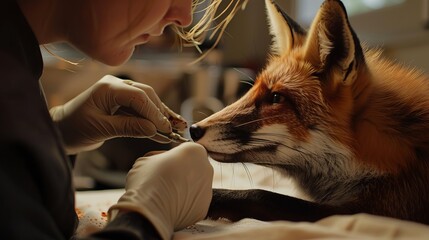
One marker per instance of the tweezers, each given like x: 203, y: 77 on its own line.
x: 160, y: 136
x: 169, y: 137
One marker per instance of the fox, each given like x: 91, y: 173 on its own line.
x: 347, y: 124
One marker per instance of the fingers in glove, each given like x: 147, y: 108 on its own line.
x: 132, y: 127
x: 177, y: 121
x: 138, y: 100
x: 150, y: 92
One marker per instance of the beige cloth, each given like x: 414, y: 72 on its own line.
x: 92, y: 207
x: 360, y: 226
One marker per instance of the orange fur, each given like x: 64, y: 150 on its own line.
x: 379, y: 141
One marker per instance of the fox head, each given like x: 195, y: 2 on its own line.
x: 298, y: 112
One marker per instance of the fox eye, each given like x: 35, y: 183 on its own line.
x: 277, y: 98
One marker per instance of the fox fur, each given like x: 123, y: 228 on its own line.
x: 351, y: 127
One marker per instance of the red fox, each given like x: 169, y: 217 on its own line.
x: 350, y: 127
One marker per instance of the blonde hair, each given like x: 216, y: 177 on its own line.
x: 214, y: 21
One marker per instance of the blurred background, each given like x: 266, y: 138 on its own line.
x: 399, y: 27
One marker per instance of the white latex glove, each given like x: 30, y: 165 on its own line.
x: 93, y: 117
x: 172, y: 190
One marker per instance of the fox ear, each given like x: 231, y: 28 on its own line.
x: 286, y: 33
x: 332, y: 47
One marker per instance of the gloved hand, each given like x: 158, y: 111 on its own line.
x: 172, y: 190
x: 92, y: 117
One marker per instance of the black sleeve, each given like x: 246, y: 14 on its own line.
x: 130, y: 226
x: 28, y: 210
x: 37, y: 197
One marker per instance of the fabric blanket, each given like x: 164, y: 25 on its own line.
x: 92, y: 207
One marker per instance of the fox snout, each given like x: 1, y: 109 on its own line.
x: 196, y: 132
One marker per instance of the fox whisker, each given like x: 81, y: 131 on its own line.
x: 249, y: 176
x: 259, y: 119
x: 246, y: 82
x: 270, y: 142
x: 244, y: 74
x: 221, y: 174
x: 203, y: 113
x: 278, y: 142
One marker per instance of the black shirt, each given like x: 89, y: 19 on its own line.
x: 35, y: 175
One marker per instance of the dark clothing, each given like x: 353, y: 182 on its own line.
x: 37, y: 194
x: 35, y: 178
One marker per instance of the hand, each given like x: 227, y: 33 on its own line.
x: 172, y: 190
x: 92, y: 117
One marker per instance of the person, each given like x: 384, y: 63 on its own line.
x: 164, y: 192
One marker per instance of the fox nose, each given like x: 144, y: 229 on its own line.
x: 196, y: 132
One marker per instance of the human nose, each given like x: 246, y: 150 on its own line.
x: 181, y: 14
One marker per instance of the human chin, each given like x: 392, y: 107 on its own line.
x: 116, y: 58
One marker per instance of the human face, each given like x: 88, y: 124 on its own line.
x: 109, y: 30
